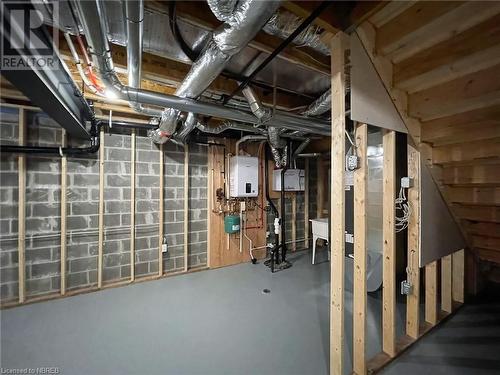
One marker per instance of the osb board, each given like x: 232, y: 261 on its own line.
x: 220, y: 254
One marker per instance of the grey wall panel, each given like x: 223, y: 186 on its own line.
x: 370, y: 102
x: 440, y: 235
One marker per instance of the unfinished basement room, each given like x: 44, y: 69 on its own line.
x: 249, y: 187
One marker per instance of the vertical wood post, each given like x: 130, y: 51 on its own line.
x: 337, y: 211
x: 446, y: 304
x: 360, y: 252
x: 186, y: 206
x: 64, y: 184
x: 161, y: 213
x: 306, y: 203
x: 458, y: 275
x: 132, y: 207
x: 389, y: 245
x: 431, y: 315
x: 21, y: 245
x: 102, y: 155
x: 413, y: 270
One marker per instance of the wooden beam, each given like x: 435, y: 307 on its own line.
x: 476, y: 90
x: 431, y: 312
x: 360, y: 252
x: 186, y: 207
x: 390, y: 11
x: 389, y: 245
x: 446, y: 277
x: 477, y: 213
x: 161, y: 210
x: 132, y: 206
x: 483, y: 149
x: 471, y: 195
x: 461, y: 133
x: 458, y: 278
x: 21, y: 241
x: 340, y: 45
x: 306, y: 203
x: 392, y: 35
x: 481, y: 228
x: 64, y: 185
x: 441, y: 28
x: 488, y: 255
x: 489, y: 241
x: 100, y: 250
x: 470, y: 51
x: 476, y: 175
x: 413, y: 270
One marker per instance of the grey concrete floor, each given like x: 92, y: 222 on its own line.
x: 466, y: 344
x: 211, y: 322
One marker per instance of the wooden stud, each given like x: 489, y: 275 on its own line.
x: 337, y: 211
x: 431, y: 313
x: 360, y: 252
x: 294, y: 221
x: 132, y: 207
x: 413, y: 270
x: 21, y: 167
x: 306, y: 203
x: 161, y: 213
x: 186, y: 206
x: 458, y: 275
x: 102, y: 155
x: 64, y: 184
x: 320, y: 193
x: 446, y: 301
x: 389, y: 245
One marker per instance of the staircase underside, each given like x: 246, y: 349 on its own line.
x: 440, y: 62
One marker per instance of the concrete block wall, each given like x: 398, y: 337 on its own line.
x: 43, y: 210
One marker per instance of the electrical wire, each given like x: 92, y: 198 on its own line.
x: 402, y: 205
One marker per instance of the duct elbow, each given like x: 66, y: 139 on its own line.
x: 157, y: 136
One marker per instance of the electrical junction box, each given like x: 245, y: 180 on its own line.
x: 294, y: 180
x: 244, y: 176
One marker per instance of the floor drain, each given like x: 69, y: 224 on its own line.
x: 266, y: 291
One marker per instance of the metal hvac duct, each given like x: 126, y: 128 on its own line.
x: 227, y: 40
x: 282, y: 24
x: 91, y: 16
x: 321, y: 105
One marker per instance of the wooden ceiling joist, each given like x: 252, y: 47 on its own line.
x: 473, y: 91
x: 439, y: 29
x: 473, y: 50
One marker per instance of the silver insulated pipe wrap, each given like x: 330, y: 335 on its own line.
x: 230, y: 38
x: 321, y: 105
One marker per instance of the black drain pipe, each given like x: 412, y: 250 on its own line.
x: 75, y: 151
x: 274, y: 250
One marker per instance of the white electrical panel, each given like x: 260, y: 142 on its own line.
x: 294, y: 180
x: 244, y: 176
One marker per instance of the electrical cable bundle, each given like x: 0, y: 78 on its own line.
x: 403, y: 206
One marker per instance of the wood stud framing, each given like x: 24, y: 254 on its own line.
x: 339, y: 47
x: 431, y: 282
x: 132, y: 207
x: 294, y: 222
x: 21, y: 165
x: 161, y: 211
x: 186, y: 206
x: 64, y: 184
x: 102, y: 156
x: 360, y: 252
x: 446, y: 303
x: 413, y: 270
x: 389, y: 245
x: 458, y: 274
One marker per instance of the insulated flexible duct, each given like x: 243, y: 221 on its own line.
x: 236, y: 32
